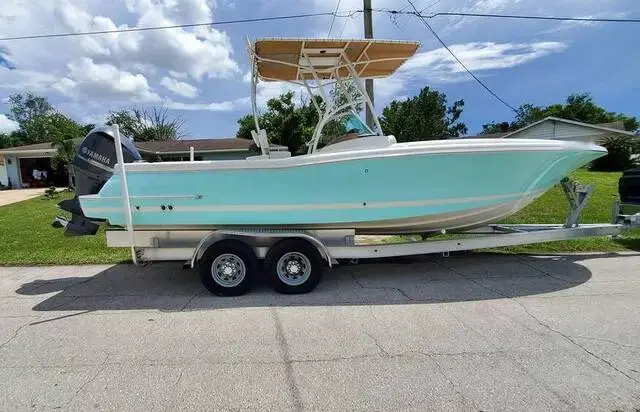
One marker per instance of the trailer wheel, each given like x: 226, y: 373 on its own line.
x: 294, y: 266
x: 228, y: 268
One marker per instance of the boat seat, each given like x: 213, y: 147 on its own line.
x: 261, y: 140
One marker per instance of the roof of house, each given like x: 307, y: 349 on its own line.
x: 616, y: 127
x: 161, y: 147
x: 605, y: 127
x: 38, y: 147
x: 618, y: 124
x: 495, y: 135
x: 199, y: 145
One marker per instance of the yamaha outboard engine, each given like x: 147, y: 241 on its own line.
x: 91, y: 167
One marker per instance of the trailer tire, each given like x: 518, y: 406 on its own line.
x: 228, y: 268
x: 294, y: 266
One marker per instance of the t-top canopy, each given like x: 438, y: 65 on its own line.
x: 304, y: 59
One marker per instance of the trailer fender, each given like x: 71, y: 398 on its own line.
x: 218, y: 235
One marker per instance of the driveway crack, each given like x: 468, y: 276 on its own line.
x: 573, y: 341
x: 544, y: 325
x: 357, y: 282
x: 99, y: 370
x: 15, y: 335
x: 286, y: 358
x: 451, y: 383
x: 381, y: 350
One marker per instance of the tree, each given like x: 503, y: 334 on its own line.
x: 39, y: 122
x: 29, y: 111
x: 5, y: 140
x: 143, y: 125
x: 293, y: 125
x: 65, y: 137
x: 285, y: 123
x: 423, y: 117
x: 26, y: 107
x: 579, y: 107
x: 247, y: 124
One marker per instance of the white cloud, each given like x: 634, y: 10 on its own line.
x: 199, y: 52
x: 180, y: 88
x: 87, y: 79
x: 25, y: 80
x: 438, y: 66
x: 568, y: 25
x: 178, y: 75
x: 106, y: 70
x: 97, y: 119
x: 479, y: 56
x: 7, y: 125
x: 225, y: 106
x: 388, y: 89
x: 270, y: 90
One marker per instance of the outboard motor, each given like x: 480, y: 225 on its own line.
x: 91, y: 167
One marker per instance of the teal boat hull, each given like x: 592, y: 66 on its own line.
x: 378, y: 194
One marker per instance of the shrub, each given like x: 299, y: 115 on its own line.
x: 50, y: 192
x: 620, y: 156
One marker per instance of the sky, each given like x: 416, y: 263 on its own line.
x: 200, y: 74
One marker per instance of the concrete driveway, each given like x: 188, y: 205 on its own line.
x: 18, y: 195
x: 471, y: 332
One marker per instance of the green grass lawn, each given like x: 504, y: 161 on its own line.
x: 27, y: 238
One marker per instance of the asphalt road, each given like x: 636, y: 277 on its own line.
x: 461, y: 333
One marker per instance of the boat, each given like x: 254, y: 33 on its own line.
x: 361, y: 179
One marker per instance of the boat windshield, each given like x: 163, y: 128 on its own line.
x: 346, y: 127
x: 352, y: 123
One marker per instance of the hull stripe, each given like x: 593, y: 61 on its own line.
x: 293, y: 207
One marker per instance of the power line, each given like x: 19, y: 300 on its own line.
x: 344, y: 26
x: 459, y: 61
x: 402, y: 11
x: 334, y: 14
x: 529, y: 17
x: 430, y: 5
x: 179, y: 26
x: 507, y: 16
x: 333, y: 20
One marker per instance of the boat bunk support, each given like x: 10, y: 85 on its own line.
x: 578, y: 196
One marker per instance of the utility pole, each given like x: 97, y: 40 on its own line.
x: 368, y: 83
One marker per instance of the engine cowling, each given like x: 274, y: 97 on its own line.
x: 91, y: 167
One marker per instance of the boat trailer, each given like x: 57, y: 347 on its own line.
x: 294, y: 259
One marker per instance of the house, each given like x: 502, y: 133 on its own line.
x: 563, y: 129
x: 30, y: 166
